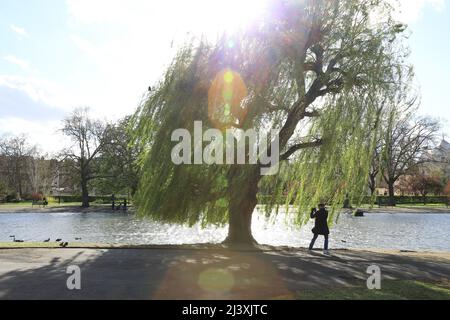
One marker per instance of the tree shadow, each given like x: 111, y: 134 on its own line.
x: 162, y: 273
x: 347, y: 268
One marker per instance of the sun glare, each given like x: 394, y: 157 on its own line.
x: 212, y: 17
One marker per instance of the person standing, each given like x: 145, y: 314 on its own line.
x: 320, y: 226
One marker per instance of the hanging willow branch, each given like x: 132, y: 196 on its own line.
x: 314, y: 71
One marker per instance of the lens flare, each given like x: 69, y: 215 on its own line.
x: 225, y: 100
x: 228, y: 76
x: 216, y: 280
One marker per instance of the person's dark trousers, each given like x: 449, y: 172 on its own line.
x: 325, y: 245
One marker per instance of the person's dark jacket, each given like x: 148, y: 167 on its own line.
x: 321, y: 223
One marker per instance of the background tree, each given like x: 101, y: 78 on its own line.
x: 117, y: 163
x: 447, y: 189
x: 375, y: 167
x: 89, y: 139
x: 421, y: 181
x: 311, y: 70
x: 407, y: 139
x: 424, y: 184
x: 17, y: 152
x: 41, y: 172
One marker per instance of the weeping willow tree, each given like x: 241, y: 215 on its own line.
x: 313, y: 71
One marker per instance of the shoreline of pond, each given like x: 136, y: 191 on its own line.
x: 107, y: 209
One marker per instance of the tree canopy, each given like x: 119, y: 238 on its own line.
x: 315, y: 71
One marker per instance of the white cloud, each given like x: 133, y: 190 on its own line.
x: 39, y: 90
x: 19, y: 31
x: 45, y: 134
x: 410, y: 11
x: 23, y: 64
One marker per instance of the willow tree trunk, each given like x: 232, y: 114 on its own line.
x: 243, y: 200
x: 372, y: 184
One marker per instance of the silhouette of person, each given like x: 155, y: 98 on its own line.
x: 320, y: 226
x: 44, y: 202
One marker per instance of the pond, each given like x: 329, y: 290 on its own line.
x: 377, y: 230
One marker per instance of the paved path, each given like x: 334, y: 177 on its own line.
x: 198, y: 273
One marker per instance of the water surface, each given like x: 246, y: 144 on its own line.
x: 377, y: 230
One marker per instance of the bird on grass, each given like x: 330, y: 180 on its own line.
x: 63, y: 244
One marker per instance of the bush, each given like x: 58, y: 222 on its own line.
x: 384, y: 200
x: 36, y: 196
x: 77, y: 198
x: 12, y: 198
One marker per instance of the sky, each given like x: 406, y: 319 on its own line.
x: 59, y: 54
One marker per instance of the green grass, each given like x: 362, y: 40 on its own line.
x: 27, y: 205
x: 421, y: 205
x: 52, y: 244
x: 390, y: 290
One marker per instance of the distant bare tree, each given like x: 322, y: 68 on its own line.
x: 90, y: 138
x: 406, y: 143
x: 423, y: 183
x: 40, y: 172
x: 16, y: 151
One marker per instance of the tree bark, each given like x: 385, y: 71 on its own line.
x: 84, y: 193
x: 372, y: 184
x: 391, y: 193
x: 243, y: 201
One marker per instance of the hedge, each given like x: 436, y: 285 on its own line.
x: 77, y: 198
x: 384, y: 200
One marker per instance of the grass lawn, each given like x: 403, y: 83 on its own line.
x: 52, y: 244
x: 27, y: 205
x: 431, y: 205
x: 390, y: 290
x: 418, y: 205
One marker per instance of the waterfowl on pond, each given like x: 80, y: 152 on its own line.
x: 77, y: 238
x: 58, y: 240
x: 47, y: 240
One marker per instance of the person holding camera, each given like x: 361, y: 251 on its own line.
x: 320, y: 226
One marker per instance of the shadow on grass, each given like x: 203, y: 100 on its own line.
x: 210, y: 274
x: 390, y: 290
